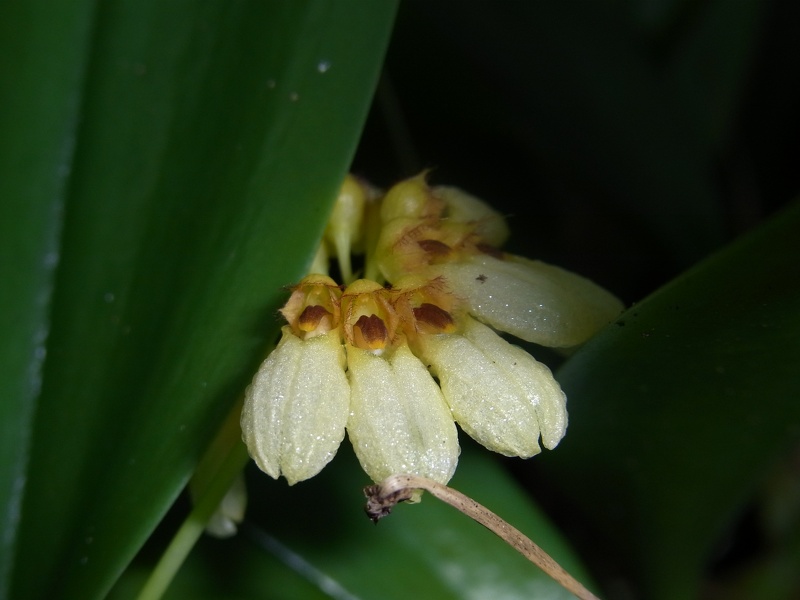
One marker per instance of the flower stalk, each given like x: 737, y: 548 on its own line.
x: 384, y: 496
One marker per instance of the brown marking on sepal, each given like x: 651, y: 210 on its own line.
x: 434, y: 247
x: 311, y: 317
x: 435, y: 317
x: 370, y: 333
x: 491, y: 251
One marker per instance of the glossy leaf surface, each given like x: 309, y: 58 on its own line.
x: 41, y: 87
x: 212, y: 140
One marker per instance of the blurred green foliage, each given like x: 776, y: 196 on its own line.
x: 165, y: 168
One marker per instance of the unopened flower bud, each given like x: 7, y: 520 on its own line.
x: 411, y: 199
x: 345, y: 224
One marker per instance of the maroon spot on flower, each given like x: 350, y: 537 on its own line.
x: 434, y: 247
x: 370, y: 332
x: 437, y: 318
x: 311, y: 316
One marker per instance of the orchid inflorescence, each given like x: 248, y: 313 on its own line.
x: 396, y: 359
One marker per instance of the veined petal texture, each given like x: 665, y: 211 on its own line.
x: 296, y: 409
x: 499, y: 394
x: 530, y: 299
x: 399, y: 421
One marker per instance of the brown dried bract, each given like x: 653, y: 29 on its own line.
x: 379, y: 506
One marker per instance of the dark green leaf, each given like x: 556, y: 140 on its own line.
x: 45, y: 50
x: 213, y: 139
x: 677, y: 410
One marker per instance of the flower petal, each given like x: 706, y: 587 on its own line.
x: 465, y: 208
x: 533, y: 377
x: 296, y: 408
x: 532, y: 300
x: 498, y: 393
x: 399, y: 421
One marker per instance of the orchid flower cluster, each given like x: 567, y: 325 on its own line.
x: 397, y: 358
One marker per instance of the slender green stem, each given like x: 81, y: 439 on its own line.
x: 217, y: 471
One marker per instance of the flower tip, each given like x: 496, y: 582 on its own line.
x: 399, y: 421
x: 411, y: 198
x: 295, y: 411
x: 491, y: 227
x: 531, y: 300
x: 499, y: 394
